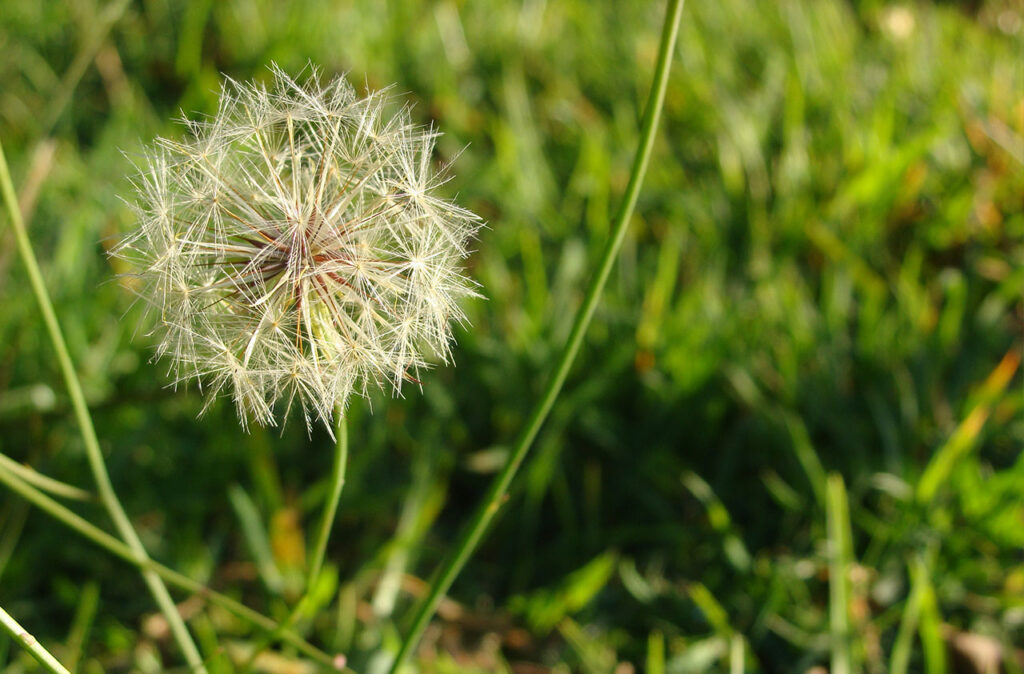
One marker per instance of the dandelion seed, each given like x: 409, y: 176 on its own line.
x: 295, y: 250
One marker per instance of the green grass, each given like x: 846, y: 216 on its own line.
x: 805, y: 364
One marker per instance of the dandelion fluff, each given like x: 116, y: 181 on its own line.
x: 295, y: 250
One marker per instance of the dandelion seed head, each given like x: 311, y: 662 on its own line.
x: 296, y: 250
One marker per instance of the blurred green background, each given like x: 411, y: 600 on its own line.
x: 803, y: 376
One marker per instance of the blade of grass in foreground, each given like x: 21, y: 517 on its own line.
x: 29, y: 643
x: 495, y: 495
x: 85, y: 425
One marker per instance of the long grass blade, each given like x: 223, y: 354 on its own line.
x: 29, y: 643
x: 840, y: 561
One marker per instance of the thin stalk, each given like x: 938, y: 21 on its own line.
x: 496, y: 493
x: 44, y: 482
x: 85, y: 425
x: 179, y: 580
x: 29, y: 643
x: 319, y: 545
x: 331, y: 506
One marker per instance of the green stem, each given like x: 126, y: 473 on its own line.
x: 496, y: 494
x: 29, y: 643
x: 44, y: 482
x: 320, y: 544
x: 331, y: 506
x: 92, y: 445
x: 119, y: 549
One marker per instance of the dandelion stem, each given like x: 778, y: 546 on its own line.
x: 331, y: 506
x: 101, y: 538
x: 496, y: 494
x: 92, y: 445
x: 320, y: 544
x: 29, y: 643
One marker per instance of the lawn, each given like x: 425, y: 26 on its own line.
x: 790, y: 443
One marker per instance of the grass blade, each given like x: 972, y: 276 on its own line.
x: 904, y: 644
x: 29, y: 643
x: 82, y: 623
x: 930, y: 624
x: 840, y: 561
x: 255, y: 535
x: 968, y: 430
x: 48, y: 484
x: 806, y: 455
x: 655, y: 653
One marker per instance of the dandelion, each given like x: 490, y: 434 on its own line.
x: 296, y: 250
